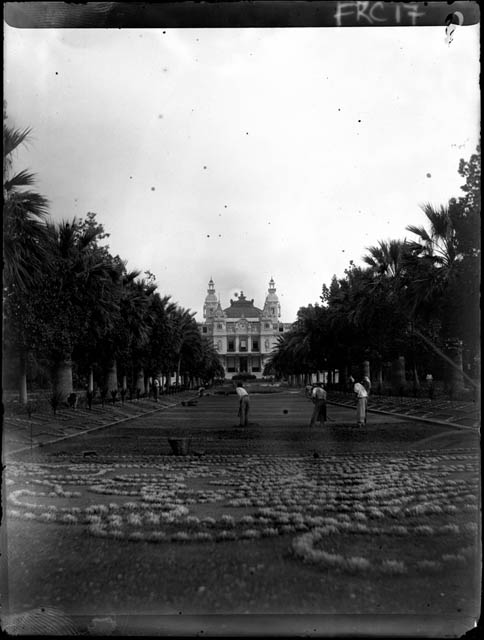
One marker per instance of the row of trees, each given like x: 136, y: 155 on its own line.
x: 412, y: 309
x: 71, y: 308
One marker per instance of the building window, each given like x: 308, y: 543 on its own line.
x: 231, y: 365
x: 273, y: 311
x: 204, y: 329
x: 255, y: 345
x: 219, y: 325
x: 281, y: 327
x: 267, y: 325
x: 231, y: 345
x: 243, y: 344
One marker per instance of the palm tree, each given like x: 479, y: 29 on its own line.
x: 209, y: 366
x: 440, y: 240
x: 133, y: 331
x: 439, y: 244
x: 387, y: 258
x: 281, y: 361
x: 381, y: 305
x: 95, y: 349
x: 186, y: 338
x: 160, y: 357
x: 73, y: 288
x: 24, y: 246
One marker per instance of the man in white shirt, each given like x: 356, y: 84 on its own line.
x: 361, y: 404
x: 318, y: 397
x: 243, y: 404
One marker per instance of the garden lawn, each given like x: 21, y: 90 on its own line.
x: 277, y: 518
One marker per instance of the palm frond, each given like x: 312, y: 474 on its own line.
x: 421, y: 232
x: 26, y: 205
x: 13, y: 138
x: 22, y: 179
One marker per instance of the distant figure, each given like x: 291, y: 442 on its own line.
x: 156, y: 389
x: 361, y: 403
x: 429, y: 379
x: 243, y: 404
x: 201, y: 391
x: 366, y: 382
x: 318, y: 397
x: 308, y: 390
x: 72, y: 400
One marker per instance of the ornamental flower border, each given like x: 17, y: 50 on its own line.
x: 359, y: 495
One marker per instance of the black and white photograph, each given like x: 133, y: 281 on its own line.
x: 241, y: 319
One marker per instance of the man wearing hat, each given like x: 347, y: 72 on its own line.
x: 361, y: 403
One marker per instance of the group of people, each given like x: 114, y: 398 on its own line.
x: 318, y: 395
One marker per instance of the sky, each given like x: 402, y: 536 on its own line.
x: 245, y: 154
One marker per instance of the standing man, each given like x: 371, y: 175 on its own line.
x: 156, y: 389
x: 318, y: 397
x: 361, y: 404
x: 243, y: 404
x: 366, y: 382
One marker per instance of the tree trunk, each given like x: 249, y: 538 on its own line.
x: 111, y: 380
x: 455, y: 374
x: 124, y: 384
x: 178, y: 367
x: 416, y: 380
x: 366, y: 368
x: 90, y: 381
x: 398, y: 375
x: 62, y: 377
x: 140, y: 381
x: 379, y: 377
x: 23, y: 397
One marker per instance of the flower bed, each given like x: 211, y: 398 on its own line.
x: 328, y: 506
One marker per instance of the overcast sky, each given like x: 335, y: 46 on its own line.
x: 241, y: 154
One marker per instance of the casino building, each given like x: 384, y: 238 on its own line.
x: 243, y: 334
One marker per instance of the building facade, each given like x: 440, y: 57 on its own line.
x: 243, y: 334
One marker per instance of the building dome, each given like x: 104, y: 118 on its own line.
x: 242, y: 308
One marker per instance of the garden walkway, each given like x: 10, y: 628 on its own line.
x: 438, y: 411
x: 23, y: 431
